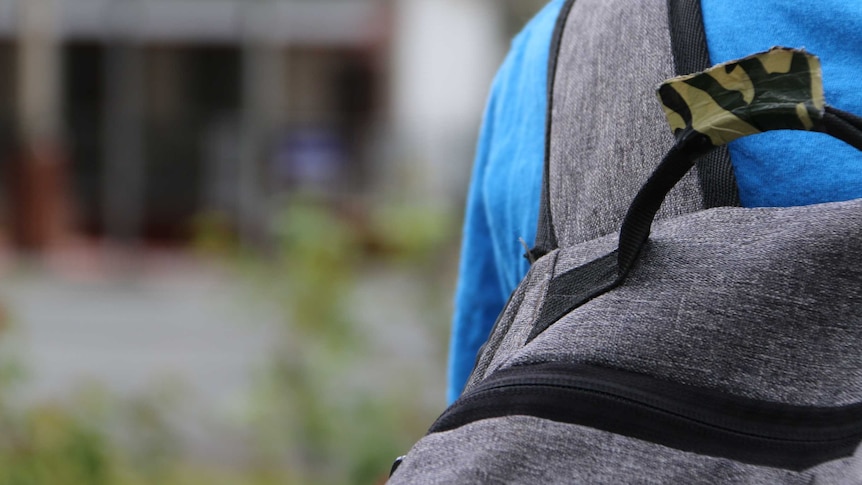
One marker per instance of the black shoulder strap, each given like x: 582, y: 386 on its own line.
x: 690, y: 55
x: 688, y: 42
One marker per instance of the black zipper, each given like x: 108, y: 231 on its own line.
x: 687, y: 418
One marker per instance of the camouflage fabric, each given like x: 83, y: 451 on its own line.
x: 780, y: 89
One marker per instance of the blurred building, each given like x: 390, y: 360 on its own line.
x: 128, y: 118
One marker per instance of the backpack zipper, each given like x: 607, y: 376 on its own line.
x: 687, y: 418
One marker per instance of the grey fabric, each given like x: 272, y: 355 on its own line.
x: 498, y: 333
x: 524, y: 449
x: 842, y: 472
x: 516, y: 336
x: 763, y: 303
x: 608, y: 131
x: 522, y: 307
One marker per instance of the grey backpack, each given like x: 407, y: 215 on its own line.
x: 665, y: 335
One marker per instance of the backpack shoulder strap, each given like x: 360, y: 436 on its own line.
x: 605, y: 131
x: 690, y: 55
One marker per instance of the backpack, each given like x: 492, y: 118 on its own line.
x: 663, y: 333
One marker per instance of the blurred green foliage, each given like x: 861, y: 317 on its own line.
x: 333, y: 404
x: 72, y: 442
x: 310, y: 412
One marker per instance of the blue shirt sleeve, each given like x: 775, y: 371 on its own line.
x: 503, y: 200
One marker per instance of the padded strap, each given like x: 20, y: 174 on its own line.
x: 690, y: 55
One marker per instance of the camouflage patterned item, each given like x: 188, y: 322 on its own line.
x: 780, y: 89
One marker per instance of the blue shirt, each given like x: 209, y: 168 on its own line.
x: 772, y: 169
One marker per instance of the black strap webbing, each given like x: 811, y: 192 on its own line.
x: 690, y: 55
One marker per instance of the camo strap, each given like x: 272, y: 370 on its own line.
x: 780, y: 89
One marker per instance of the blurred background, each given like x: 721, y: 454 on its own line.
x: 229, y: 232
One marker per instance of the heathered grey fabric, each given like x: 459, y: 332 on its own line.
x: 524, y: 449
x: 608, y: 131
x: 528, y: 311
x: 763, y: 303
x: 842, y: 472
x: 501, y: 328
x: 523, y: 307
